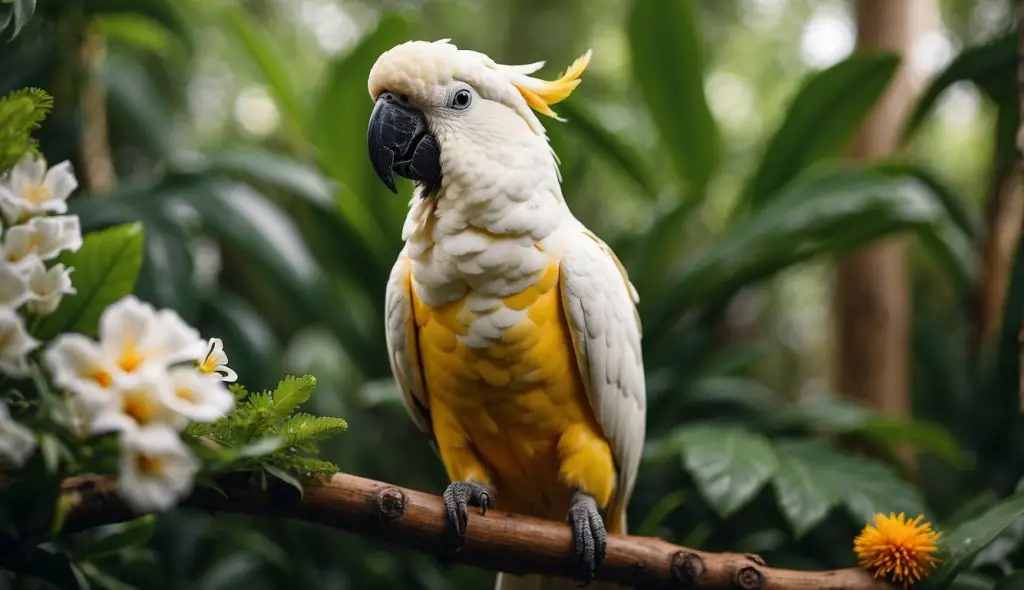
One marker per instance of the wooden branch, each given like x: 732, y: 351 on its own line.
x: 498, y: 541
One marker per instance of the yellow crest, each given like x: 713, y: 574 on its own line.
x: 540, y: 94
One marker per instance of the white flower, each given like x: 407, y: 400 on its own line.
x: 157, y: 469
x: 217, y: 360
x: 47, y: 287
x: 42, y: 238
x: 15, y: 344
x: 135, y: 339
x: 31, y: 189
x: 77, y: 364
x: 13, y: 290
x: 138, y: 405
x: 198, y: 396
x: 17, y: 442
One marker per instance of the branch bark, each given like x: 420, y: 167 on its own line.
x: 497, y: 541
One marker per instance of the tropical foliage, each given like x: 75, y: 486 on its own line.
x: 280, y: 245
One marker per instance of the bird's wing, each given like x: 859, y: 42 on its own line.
x: 600, y: 306
x: 403, y: 350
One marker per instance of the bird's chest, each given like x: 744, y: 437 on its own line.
x: 502, y: 366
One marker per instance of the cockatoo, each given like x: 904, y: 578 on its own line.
x: 512, y: 330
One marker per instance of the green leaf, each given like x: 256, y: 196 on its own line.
x: 821, y: 121
x: 52, y: 566
x: 136, y: 30
x: 303, y: 428
x: 1014, y: 581
x: 924, y: 436
x: 263, y: 447
x: 167, y: 13
x: 259, y: 44
x: 342, y: 102
x: 135, y: 533
x: 280, y: 171
x: 730, y: 464
x: 106, y: 267
x: 954, y: 203
x: 284, y: 476
x: 666, y: 506
x: 21, y: 113
x: 865, y: 487
x: 311, y: 466
x: 666, y: 50
x: 291, y: 393
x: 821, y: 213
x: 987, y: 66
x: 805, y: 492
x: 960, y: 545
x: 615, y: 150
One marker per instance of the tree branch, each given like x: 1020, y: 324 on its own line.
x: 497, y: 541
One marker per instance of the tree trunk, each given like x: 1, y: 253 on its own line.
x: 872, y: 301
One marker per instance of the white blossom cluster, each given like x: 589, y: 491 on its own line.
x: 146, y: 377
x: 34, y: 230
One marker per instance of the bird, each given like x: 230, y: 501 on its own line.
x: 512, y: 330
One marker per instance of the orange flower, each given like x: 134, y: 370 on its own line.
x: 896, y: 547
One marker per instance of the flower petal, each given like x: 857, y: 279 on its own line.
x: 78, y: 365
x: 199, y: 396
x: 15, y: 344
x: 61, y: 181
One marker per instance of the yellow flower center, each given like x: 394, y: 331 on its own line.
x: 103, y: 378
x: 186, y: 394
x: 32, y: 246
x: 131, y: 358
x: 150, y: 465
x: 38, y: 194
x: 139, y: 406
x: 897, y: 547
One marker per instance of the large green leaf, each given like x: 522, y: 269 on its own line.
x: 106, y: 267
x: 167, y: 13
x: 864, y: 487
x: 730, y: 464
x: 821, y: 213
x: 961, y: 544
x: 666, y: 50
x: 238, y: 215
x: 1014, y: 581
x: 118, y: 537
x: 988, y: 66
x: 821, y: 121
x: 616, y: 150
x: 804, y: 490
x: 342, y: 109
x: 268, y: 168
x: 272, y: 65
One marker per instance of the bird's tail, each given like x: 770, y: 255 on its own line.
x: 615, y: 523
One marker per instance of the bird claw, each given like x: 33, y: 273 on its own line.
x: 458, y: 497
x: 588, y: 535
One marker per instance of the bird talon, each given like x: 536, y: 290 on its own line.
x: 588, y: 535
x: 458, y: 497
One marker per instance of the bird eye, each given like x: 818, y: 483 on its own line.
x: 462, y: 99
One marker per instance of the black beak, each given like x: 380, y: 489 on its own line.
x: 400, y: 141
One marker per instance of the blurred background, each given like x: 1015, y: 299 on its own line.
x: 723, y: 148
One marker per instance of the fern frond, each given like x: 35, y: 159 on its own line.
x: 302, y: 428
x: 21, y: 113
x: 291, y: 393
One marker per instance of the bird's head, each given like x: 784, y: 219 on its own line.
x: 446, y: 114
